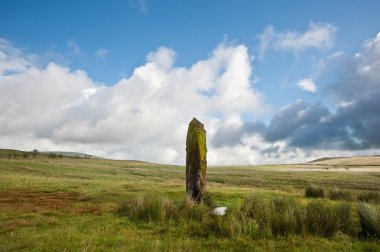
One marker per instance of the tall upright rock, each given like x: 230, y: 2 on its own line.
x: 196, y: 163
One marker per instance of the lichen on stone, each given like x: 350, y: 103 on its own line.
x: 196, y: 160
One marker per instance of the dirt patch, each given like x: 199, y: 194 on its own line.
x: 27, y: 201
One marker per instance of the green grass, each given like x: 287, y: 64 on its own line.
x: 96, y: 205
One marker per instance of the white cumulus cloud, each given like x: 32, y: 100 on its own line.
x: 142, y: 117
x: 146, y: 115
x: 307, y: 85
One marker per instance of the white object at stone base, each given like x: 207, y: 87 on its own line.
x: 220, y: 210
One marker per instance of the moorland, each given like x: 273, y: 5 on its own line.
x: 53, y: 203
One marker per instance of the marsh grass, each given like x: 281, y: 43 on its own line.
x: 337, y: 194
x: 325, y: 219
x: 369, y: 197
x: 161, y: 208
x: 257, y: 208
x: 314, y: 192
x: 241, y: 224
x: 148, y: 208
x: 284, y: 215
x: 73, y: 204
x: 288, y: 216
x: 369, y: 220
x: 256, y: 217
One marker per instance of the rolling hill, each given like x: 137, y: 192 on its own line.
x: 349, y: 161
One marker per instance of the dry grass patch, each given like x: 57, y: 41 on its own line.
x: 29, y: 201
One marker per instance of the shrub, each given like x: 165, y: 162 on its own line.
x: 337, y: 194
x: 314, y: 192
x: 369, y: 197
x: 369, y: 217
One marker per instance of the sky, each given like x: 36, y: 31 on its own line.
x: 272, y: 81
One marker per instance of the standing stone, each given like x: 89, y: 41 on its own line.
x: 196, y: 162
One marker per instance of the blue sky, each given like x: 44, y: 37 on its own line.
x: 298, y: 51
x: 129, y: 29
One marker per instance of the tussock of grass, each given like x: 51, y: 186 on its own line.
x: 370, y: 197
x: 288, y: 216
x: 337, y: 194
x: 156, y: 207
x: 325, y: 219
x: 259, y: 209
x: 189, y: 210
x: 145, y: 207
x: 314, y: 192
x: 282, y: 216
x: 241, y: 224
x: 255, y: 217
x: 369, y: 220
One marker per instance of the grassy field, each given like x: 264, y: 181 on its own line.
x: 75, y: 204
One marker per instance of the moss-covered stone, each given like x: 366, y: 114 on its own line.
x: 196, y: 162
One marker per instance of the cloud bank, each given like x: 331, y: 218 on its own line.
x: 145, y: 116
x: 312, y: 128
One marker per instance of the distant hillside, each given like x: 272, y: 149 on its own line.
x: 359, y: 161
x: 324, y: 159
x: 11, y: 153
x: 70, y: 154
